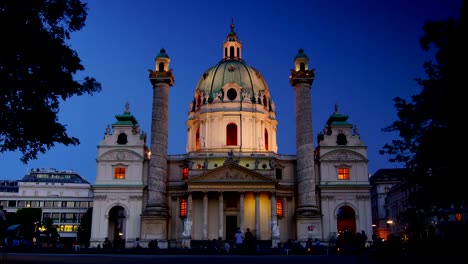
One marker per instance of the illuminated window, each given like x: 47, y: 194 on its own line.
x: 119, y: 173
x: 183, y: 207
x: 231, y: 134
x: 185, y: 173
x: 266, y: 139
x: 279, y: 207
x: 343, y: 173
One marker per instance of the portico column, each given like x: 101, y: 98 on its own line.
x: 257, y: 215
x: 220, y: 215
x: 275, y: 233
x: 106, y: 224
x: 187, y: 233
x: 189, y: 206
x: 241, y: 211
x: 205, y: 216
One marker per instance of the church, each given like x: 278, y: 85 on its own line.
x: 231, y: 174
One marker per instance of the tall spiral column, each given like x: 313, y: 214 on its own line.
x: 154, y: 218
x: 307, y: 209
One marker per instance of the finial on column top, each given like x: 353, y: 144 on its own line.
x: 127, y: 108
x: 232, y: 24
x: 336, y: 109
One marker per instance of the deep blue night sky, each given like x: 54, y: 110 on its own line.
x: 364, y: 52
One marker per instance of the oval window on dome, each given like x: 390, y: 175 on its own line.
x: 231, y: 94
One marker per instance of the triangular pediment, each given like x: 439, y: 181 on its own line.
x: 231, y: 173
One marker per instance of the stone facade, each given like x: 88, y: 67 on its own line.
x: 231, y: 174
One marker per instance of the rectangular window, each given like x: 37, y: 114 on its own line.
x: 185, y: 173
x: 67, y: 228
x: 69, y: 218
x: 231, y: 202
x: 35, y: 204
x: 55, y: 217
x: 11, y: 203
x: 343, y: 173
x: 183, y: 207
x: 119, y: 173
x: 279, y: 208
x: 279, y: 174
x: 21, y: 204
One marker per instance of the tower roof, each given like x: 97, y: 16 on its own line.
x: 162, y: 54
x: 126, y: 118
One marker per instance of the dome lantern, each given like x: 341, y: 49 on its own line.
x: 232, y: 47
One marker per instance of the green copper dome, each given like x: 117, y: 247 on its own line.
x: 301, y: 54
x: 228, y: 72
x: 162, y: 54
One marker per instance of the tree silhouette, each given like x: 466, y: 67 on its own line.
x: 84, y: 230
x: 425, y: 141
x: 37, y: 70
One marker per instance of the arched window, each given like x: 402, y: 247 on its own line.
x: 197, y: 139
x: 231, y: 134
x: 231, y: 50
x: 264, y: 101
x: 185, y: 172
x: 161, y: 67
x: 122, y: 139
x: 266, y: 139
x: 302, y: 66
x: 341, y: 139
x: 199, y: 101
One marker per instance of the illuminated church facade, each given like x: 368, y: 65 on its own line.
x: 231, y: 174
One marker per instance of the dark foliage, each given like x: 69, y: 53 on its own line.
x: 425, y: 142
x: 37, y: 69
x: 84, y: 230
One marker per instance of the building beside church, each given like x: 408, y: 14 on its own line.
x: 61, y: 195
x: 231, y: 174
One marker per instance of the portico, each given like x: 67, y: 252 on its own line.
x: 228, y: 197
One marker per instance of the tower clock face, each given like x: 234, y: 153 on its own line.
x: 231, y: 94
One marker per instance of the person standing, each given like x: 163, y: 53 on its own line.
x: 239, y: 237
x: 136, y: 243
x: 248, y: 241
